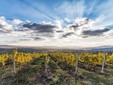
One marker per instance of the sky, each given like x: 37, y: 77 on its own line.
x: 61, y: 23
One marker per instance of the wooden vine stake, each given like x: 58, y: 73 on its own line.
x: 46, y: 64
x: 103, y: 63
x: 76, y: 68
x: 14, y: 64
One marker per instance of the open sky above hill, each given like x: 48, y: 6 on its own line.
x: 65, y: 23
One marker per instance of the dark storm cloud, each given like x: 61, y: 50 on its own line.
x: 87, y: 33
x: 59, y: 31
x: 22, y: 29
x: 74, y: 26
x: 67, y: 34
x: 40, y: 27
x: 41, y: 34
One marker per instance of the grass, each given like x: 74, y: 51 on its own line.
x: 58, y: 74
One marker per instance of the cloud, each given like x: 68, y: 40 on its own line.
x: 109, y: 33
x: 4, y: 31
x: 4, y: 25
x: 40, y: 27
x: 37, y: 38
x: 59, y: 31
x: 88, y: 33
x: 80, y: 30
x: 17, y: 22
x: 83, y: 27
x: 67, y: 34
x: 58, y: 24
x: 40, y: 31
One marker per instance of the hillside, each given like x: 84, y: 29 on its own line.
x: 56, y: 68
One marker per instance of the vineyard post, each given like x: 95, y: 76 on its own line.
x: 46, y: 64
x: 14, y: 65
x: 76, y: 69
x: 103, y: 63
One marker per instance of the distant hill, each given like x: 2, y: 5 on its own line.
x: 9, y: 49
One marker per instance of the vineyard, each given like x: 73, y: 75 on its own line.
x: 56, y: 68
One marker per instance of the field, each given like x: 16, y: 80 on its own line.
x: 56, y: 68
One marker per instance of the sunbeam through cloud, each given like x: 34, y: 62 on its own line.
x: 56, y: 23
